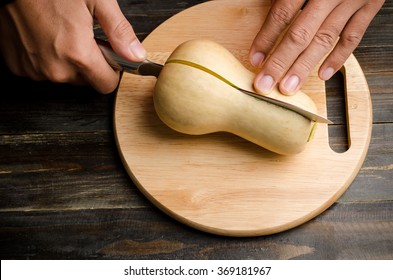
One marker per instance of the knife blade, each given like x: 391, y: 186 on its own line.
x: 307, y: 114
x: 149, y: 68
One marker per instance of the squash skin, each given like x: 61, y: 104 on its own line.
x: 192, y: 101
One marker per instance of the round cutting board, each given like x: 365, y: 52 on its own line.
x: 221, y: 183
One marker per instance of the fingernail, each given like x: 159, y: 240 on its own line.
x: 291, y: 84
x: 327, y: 73
x: 265, y: 84
x: 257, y: 59
x: 137, y: 49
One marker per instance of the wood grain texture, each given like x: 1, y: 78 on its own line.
x: 345, y: 231
x: 83, y: 205
x: 219, y: 183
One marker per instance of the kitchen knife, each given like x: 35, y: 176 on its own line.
x: 149, y: 68
x: 307, y: 114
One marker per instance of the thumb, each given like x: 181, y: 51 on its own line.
x: 119, y: 31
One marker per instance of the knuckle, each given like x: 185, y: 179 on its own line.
x: 326, y: 38
x: 277, y: 65
x: 305, y: 66
x: 299, y: 36
x: 281, y: 15
x: 264, y: 43
x: 55, y: 74
x: 78, y: 56
x: 352, y: 38
x: 74, y: 60
x: 122, y: 30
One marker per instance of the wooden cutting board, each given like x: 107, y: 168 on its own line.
x: 220, y: 183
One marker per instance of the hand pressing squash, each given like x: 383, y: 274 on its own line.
x: 196, y: 94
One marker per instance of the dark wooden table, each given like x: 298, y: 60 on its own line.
x: 64, y: 193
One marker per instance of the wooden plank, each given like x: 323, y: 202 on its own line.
x: 361, y: 230
x: 63, y: 171
x: 39, y: 107
x: 144, y: 20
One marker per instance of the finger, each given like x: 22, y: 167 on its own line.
x: 294, y: 42
x: 322, y: 43
x: 279, y: 17
x: 349, y: 40
x: 119, y: 31
x: 20, y: 64
x: 83, y: 63
x: 98, y: 73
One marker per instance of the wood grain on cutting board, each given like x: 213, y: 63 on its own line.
x: 221, y: 183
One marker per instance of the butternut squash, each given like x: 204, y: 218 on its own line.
x: 195, y: 94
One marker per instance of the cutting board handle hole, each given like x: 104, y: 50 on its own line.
x: 336, y: 111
